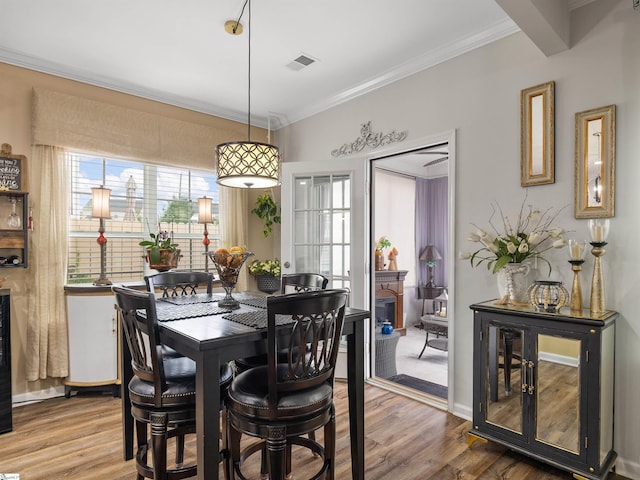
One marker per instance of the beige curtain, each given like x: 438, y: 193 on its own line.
x: 233, y: 223
x: 47, y: 340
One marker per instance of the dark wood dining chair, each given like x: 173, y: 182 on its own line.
x: 162, y: 390
x: 291, y: 283
x: 283, y: 400
x: 177, y: 284
x: 302, y: 282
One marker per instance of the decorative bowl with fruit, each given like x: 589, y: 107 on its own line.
x: 228, y: 264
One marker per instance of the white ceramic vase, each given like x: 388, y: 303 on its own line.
x: 513, y: 283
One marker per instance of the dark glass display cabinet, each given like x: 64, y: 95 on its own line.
x: 544, y: 384
x: 6, y: 422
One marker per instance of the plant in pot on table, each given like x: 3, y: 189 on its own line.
x: 506, y: 249
x: 160, y: 251
x: 267, y: 274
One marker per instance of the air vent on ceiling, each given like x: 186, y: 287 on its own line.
x: 300, y: 62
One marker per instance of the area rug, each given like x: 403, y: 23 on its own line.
x: 419, y: 384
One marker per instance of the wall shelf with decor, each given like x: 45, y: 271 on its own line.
x: 13, y: 229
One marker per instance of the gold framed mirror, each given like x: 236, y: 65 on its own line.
x: 595, y: 138
x: 537, y: 148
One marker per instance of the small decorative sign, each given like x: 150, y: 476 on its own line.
x: 12, y: 170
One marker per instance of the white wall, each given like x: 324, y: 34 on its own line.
x: 395, y: 217
x: 478, y: 95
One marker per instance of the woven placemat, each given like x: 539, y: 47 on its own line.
x: 257, y: 319
x: 190, y: 299
x: 190, y: 310
x: 257, y: 302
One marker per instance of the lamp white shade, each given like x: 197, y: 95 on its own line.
x: 248, y: 165
x: 205, y: 213
x: 101, y: 202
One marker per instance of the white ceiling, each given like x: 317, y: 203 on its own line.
x: 178, y: 52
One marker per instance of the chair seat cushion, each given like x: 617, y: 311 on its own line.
x: 248, y: 396
x: 180, y: 374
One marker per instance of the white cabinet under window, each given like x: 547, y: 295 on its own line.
x: 93, y: 339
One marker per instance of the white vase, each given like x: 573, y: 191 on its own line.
x: 513, y: 283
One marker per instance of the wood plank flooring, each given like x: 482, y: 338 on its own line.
x: 80, y: 438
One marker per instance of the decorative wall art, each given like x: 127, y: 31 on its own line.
x: 595, y: 137
x: 537, y: 144
x: 369, y: 139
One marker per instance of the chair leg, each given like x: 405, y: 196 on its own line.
x: 426, y: 340
x: 159, y: 445
x: 141, y: 440
x: 234, y: 437
x: 179, y: 449
x: 330, y: 445
x: 224, y: 439
x: 276, y: 449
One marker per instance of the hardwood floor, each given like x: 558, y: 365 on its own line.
x: 80, y: 438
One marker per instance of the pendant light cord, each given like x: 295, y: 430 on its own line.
x: 249, y: 78
x: 249, y: 69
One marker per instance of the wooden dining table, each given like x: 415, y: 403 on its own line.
x: 194, y: 327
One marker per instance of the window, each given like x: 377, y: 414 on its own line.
x: 143, y: 197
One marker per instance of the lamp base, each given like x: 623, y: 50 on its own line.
x: 101, y: 281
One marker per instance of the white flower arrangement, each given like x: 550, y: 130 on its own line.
x: 266, y: 267
x: 532, y: 235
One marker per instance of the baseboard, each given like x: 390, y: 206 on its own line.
x: 462, y: 411
x: 38, y: 396
x: 627, y: 468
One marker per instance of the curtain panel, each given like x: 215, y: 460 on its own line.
x: 432, y: 226
x: 47, y: 339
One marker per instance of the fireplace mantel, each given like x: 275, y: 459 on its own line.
x: 390, y: 284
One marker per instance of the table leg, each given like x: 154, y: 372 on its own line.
x: 355, y: 379
x: 208, y: 414
x: 126, y: 374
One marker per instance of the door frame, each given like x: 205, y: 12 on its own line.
x: 361, y: 164
x: 449, y: 137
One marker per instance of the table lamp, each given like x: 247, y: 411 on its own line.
x: 205, y: 215
x: 431, y: 256
x: 101, y: 200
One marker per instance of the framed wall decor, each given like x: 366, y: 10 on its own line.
x: 595, y: 146
x: 537, y: 143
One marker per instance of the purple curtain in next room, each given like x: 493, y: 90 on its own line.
x: 432, y: 227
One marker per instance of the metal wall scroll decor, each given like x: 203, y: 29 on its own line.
x: 369, y: 139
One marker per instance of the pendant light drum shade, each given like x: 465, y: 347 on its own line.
x: 248, y: 164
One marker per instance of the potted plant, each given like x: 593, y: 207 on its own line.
x: 267, y: 274
x: 267, y: 210
x: 161, y: 253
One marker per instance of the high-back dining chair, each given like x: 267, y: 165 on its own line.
x: 302, y: 282
x: 176, y: 284
x: 283, y: 400
x: 162, y: 390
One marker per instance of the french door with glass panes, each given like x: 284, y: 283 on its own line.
x: 324, y: 221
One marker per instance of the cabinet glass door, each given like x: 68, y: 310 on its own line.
x: 558, y: 392
x: 504, y: 378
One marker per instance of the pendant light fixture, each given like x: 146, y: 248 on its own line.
x: 247, y: 164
